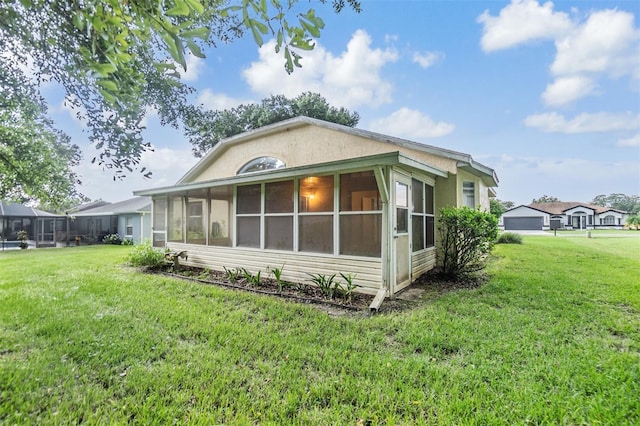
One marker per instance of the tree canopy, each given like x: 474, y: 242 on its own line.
x: 118, y: 59
x: 627, y: 203
x: 36, y: 160
x: 546, y: 199
x: 209, y: 127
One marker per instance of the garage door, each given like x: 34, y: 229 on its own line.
x: 522, y: 223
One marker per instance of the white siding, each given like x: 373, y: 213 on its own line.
x: 297, y: 265
x: 422, y: 262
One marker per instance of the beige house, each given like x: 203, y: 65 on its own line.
x: 320, y: 198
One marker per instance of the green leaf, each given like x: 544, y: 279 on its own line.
x: 180, y: 9
x: 108, y: 84
x: 314, y: 31
x: 195, y: 49
x: 196, y: 5
x: 201, y: 33
x: 104, y: 69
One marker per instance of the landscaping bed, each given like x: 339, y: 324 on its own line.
x: 334, y: 294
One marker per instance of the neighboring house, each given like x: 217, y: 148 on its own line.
x: 562, y: 215
x: 43, y: 229
x: 318, y: 197
x: 131, y: 219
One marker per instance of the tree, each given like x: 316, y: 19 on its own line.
x: 36, y: 161
x: 627, y: 203
x: 633, y: 221
x: 545, y: 199
x: 466, y: 236
x: 498, y: 207
x: 118, y: 59
x: 209, y: 127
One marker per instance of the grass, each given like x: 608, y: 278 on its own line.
x: 554, y: 337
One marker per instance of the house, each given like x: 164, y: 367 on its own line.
x: 562, y: 215
x: 43, y: 229
x: 131, y: 219
x: 318, y: 197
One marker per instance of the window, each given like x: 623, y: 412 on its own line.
x: 609, y: 220
x: 423, y: 220
x: 175, y: 220
x: 315, y: 214
x: 468, y: 194
x: 402, y: 208
x: 261, y: 163
x: 360, y: 220
x: 248, y: 215
x: 128, y: 227
x: 196, y: 218
x: 220, y: 216
x: 279, y: 215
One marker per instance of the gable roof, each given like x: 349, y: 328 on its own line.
x: 562, y: 206
x: 132, y: 205
x: 464, y: 161
x: 8, y: 208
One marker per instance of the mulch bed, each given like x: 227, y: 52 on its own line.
x: 299, y: 292
x: 433, y: 283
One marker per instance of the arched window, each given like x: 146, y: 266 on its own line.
x: 609, y: 220
x: 260, y: 164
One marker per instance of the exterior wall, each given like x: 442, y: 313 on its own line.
x: 297, y: 266
x: 310, y: 145
x: 141, y: 223
x: 422, y: 262
x: 620, y: 220
x: 481, y: 191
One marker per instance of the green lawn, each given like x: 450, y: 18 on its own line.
x: 554, y: 337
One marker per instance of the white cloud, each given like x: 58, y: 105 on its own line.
x: 219, y: 101
x: 427, y: 59
x: 522, y: 21
x: 195, y: 66
x: 350, y: 79
x: 603, y: 45
x: 584, y: 123
x: 632, y: 141
x: 411, y: 124
x: 568, y: 89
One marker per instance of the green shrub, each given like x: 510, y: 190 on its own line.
x: 112, y: 239
x: 466, y: 236
x: 127, y: 242
x: 145, y: 255
x: 509, y: 238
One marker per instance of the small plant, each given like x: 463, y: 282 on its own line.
x: 509, y: 238
x: 233, y: 275
x: 204, y: 275
x: 146, y: 255
x: 277, y: 273
x: 325, y: 284
x: 112, y: 239
x: 127, y: 242
x: 349, y: 285
x: 23, y: 237
x: 251, y: 279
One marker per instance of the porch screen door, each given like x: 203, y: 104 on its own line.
x: 401, y: 229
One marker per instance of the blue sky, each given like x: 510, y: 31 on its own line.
x: 547, y: 94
